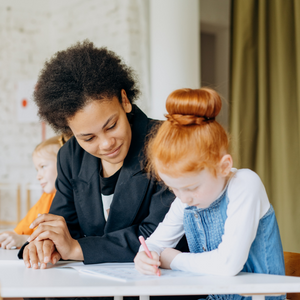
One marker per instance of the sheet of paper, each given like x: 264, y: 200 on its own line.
x: 122, y: 271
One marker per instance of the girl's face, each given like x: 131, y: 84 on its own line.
x: 198, y: 189
x: 45, y: 164
x: 102, y: 129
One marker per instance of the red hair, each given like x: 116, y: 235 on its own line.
x: 190, y: 139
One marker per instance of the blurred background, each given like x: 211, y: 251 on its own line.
x: 248, y: 50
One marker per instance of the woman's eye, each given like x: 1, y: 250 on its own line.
x: 89, y: 139
x: 111, y: 127
x: 43, y: 166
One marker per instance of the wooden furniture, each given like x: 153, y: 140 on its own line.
x: 29, y: 189
x: 292, y: 268
x: 13, y: 187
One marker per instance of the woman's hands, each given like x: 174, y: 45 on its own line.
x: 146, y: 265
x: 41, y: 252
x: 50, y: 242
x: 9, y: 239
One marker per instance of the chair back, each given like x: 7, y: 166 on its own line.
x: 7, y: 191
x: 292, y: 268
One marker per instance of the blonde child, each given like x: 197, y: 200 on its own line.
x: 225, y: 213
x: 44, y: 159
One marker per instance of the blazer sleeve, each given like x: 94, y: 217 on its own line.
x: 117, y: 245
x: 122, y: 245
x: 63, y: 203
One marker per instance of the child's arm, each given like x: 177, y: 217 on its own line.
x: 169, y: 232
x: 166, y: 235
x: 21, y: 233
x: 167, y: 257
x: 248, y: 203
x: 9, y: 239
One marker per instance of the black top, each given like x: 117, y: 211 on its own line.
x: 108, y: 184
x: 139, y: 204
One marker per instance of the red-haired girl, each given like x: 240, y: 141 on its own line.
x: 225, y: 213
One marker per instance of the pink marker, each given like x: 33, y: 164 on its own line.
x: 142, y: 241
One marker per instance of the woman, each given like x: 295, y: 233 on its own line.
x: 104, y: 198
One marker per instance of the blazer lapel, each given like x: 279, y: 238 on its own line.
x: 133, y: 182
x: 88, y: 196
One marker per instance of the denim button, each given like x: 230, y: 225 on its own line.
x: 195, y: 215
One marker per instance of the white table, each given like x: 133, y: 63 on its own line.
x: 18, y: 281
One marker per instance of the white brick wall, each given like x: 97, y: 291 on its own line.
x: 30, y: 32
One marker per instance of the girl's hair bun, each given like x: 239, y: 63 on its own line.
x: 193, y: 106
x: 185, y: 120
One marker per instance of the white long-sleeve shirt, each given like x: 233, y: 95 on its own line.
x: 248, y: 203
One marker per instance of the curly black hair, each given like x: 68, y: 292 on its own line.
x: 77, y: 75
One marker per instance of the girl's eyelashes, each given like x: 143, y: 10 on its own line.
x: 193, y: 188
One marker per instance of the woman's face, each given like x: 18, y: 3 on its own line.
x: 102, y: 129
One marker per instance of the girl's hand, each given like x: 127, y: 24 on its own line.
x: 167, y: 256
x: 146, y: 265
x: 9, y: 239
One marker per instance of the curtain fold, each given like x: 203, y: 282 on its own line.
x: 265, y: 103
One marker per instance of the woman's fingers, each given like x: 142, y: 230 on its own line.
x: 45, y: 218
x: 55, y: 257
x: 48, y: 249
x: 43, y: 228
x: 35, y: 253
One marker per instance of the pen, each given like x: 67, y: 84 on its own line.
x: 142, y: 241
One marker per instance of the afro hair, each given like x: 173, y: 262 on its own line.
x: 74, y: 77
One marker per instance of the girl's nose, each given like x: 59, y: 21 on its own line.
x: 184, y: 197
x: 38, y: 175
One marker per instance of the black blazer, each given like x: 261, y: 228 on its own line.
x: 139, y: 202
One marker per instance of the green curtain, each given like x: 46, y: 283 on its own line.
x: 265, y: 103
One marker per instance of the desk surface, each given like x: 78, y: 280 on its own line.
x: 18, y: 281
x: 8, y: 254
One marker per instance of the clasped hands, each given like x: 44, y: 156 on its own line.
x: 50, y: 242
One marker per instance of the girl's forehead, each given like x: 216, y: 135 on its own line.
x: 45, y: 153
x: 184, y: 180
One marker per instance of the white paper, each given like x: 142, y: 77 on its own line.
x: 122, y: 271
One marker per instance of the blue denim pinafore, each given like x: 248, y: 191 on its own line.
x: 204, y: 229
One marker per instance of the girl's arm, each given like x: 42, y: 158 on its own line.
x: 169, y: 232
x: 248, y: 202
x: 167, y: 235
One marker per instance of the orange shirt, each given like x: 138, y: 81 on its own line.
x: 41, y: 207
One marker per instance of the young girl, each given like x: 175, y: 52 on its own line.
x: 225, y: 213
x: 44, y: 159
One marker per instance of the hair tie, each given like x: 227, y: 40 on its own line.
x: 186, y: 120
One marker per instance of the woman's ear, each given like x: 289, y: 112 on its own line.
x: 225, y: 165
x: 125, y: 102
